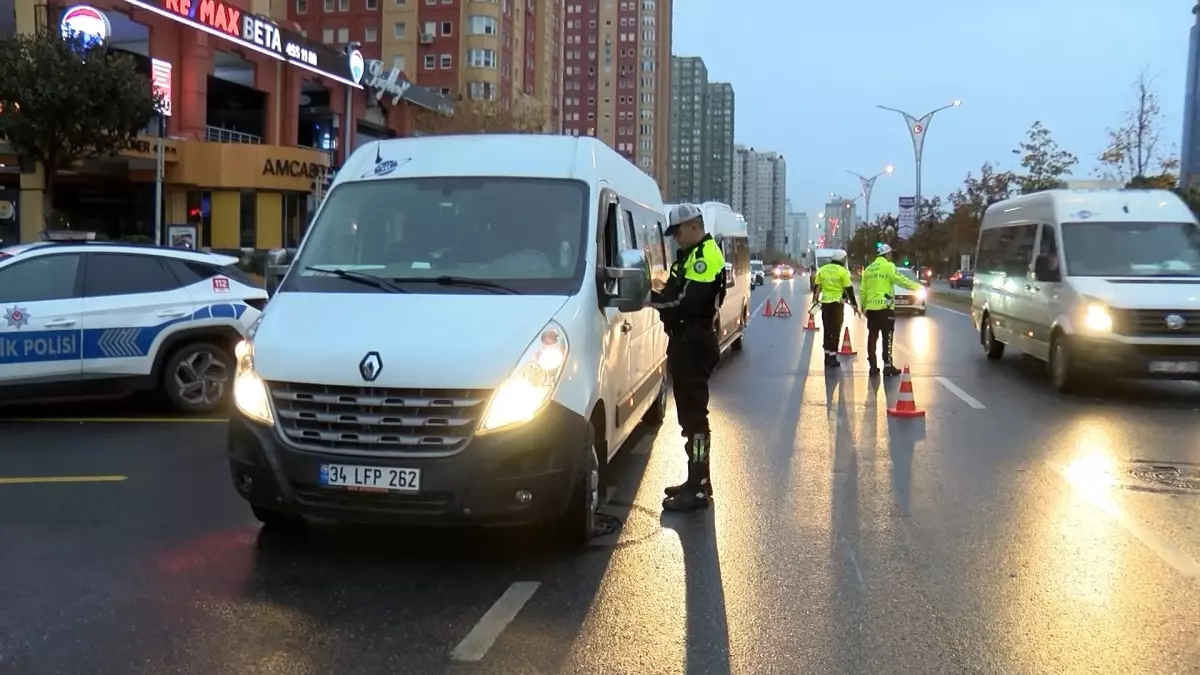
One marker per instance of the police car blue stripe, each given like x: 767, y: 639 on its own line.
x: 98, y: 343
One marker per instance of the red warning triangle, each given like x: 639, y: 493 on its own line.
x: 782, y: 310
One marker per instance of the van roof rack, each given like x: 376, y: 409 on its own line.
x: 1090, y: 185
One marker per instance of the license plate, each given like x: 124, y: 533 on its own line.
x: 370, y: 478
x: 903, y: 300
x: 1175, y: 367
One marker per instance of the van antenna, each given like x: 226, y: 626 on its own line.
x: 378, y: 158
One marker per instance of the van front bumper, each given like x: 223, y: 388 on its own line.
x: 477, y: 486
x: 1137, y: 360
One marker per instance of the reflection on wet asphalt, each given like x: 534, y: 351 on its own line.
x: 1036, y: 534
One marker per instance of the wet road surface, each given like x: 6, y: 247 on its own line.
x: 1014, y: 530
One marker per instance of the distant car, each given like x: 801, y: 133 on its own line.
x: 910, y: 301
x: 757, y: 276
x: 783, y: 272
x: 962, y: 279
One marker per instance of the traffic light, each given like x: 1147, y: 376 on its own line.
x: 906, y: 263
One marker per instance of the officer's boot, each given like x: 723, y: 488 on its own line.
x: 696, y: 493
x: 688, y: 446
x: 831, y: 360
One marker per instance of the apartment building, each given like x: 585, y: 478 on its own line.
x: 841, y: 221
x: 800, y: 237
x: 617, y: 78
x: 701, y: 150
x: 760, y: 194
x: 508, y: 51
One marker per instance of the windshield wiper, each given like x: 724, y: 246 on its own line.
x: 458, y: 281
x: 359, y: 277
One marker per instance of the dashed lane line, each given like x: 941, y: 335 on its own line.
x: 952, y: 311
x: 481, y: 638
x: 35, y: 480
x: 957, y: 391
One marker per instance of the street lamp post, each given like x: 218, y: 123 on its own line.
x: 917, y: 128
x: 868, y: 184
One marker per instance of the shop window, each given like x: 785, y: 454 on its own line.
x: 295, y: 218
x: 248, y: 220
x: 199, y: 214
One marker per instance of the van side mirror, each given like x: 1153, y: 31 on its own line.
x: 631, y: 277
x: 278, y: 262
x: 1043, y: 271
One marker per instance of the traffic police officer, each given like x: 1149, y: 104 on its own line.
x: 834, y: 286
x: 879, y: 303
x: 688, y: 304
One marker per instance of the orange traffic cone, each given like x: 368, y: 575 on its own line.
x: 782, y: 310
x: 847, y: 350
x: 906, y: 405
x: 767, y: 309
x: 812, y: 324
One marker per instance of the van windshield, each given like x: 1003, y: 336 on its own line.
x: 1131, y: 249
x: 527, y: 234
x: 756, y: 265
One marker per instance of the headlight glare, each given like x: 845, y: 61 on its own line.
x: 249, y: 391
x: 1097, y: 318
x: 922, y: 293
x: 523, y: 395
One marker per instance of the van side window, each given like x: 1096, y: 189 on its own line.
x: 1048, y: 246
x: 634, y: 239
x: 987, y: 257
x: 612, y: 237
x: 1020, y: 255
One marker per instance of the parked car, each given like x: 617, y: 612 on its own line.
x: 962, y: 279
x: 86, y: 317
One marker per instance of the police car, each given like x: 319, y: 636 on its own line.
x: 81, y: 318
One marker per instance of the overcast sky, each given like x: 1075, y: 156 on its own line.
x: 808, y: 75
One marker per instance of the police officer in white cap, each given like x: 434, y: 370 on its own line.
x: 688, y: 304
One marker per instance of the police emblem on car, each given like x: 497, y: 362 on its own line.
x: 1175, y: 322
x: 16, y: 317
x: 370, y: 366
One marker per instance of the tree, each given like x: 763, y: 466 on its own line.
x: 1045, y: 163
x: 968, y: 204
x: 1134, y: 155
x: 868, y: 236
x: 483, y: 117
x: 67, y: 100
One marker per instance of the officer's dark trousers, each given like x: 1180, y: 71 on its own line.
x: 832, y: 315
x: 880, y: 322
x: 692, y: 354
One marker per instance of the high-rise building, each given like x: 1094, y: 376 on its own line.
x: 840, y: 221
x: 1189, y: 153
x: 509, y: 51
x: 799, y: 234
x: 701, y: 134
x: 617, y: 78
x: 760, y: 194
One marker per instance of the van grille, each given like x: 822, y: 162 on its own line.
x: 369, y: 420
x: 1153, y: 322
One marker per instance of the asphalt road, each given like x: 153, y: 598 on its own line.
x: 1013, y: 530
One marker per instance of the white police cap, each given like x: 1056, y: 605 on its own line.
x: 682, y: 214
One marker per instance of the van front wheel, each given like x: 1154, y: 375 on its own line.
x: 992, y: 348
x: 578, y: 524
x: 1065, y: 375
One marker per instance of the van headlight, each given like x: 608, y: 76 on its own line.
x: 1097, y: 318
x: 249, y: 391
x: 532, y: 382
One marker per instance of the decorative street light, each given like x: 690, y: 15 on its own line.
x: 917, y: 127
x: 868, y: 184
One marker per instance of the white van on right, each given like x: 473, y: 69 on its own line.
x: 1096, y: 282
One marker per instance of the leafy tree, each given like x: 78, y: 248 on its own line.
x: 967, y: 205
x: 482, y: 117
x: 1134, y: 154
x: 1045, y: 163
x: 67, y: 100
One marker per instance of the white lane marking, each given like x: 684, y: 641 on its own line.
x: 957, y: 391
x: 1154, y: 541
x: 952, y: 311
x: 484, y: 634
x: 757, y: 310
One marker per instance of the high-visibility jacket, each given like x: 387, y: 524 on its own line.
x: 696, y: 287
x: 832, y: 281
x: 879, y: 283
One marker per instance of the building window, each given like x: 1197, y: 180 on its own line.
x: 399, y: 30
x: 301, y: 6
x: 343, y: 35
x: 431, y: 2
x: 398, y: 63
x: 329, y: 5
x: 482, y: 91
x: 483, y: 25
x: 327, y: 36
x: 446, y: 61
x: 430, y: 62
x: 430, y: 29
x: 447, y: 28
x: 481, y: 58
x: 343, y: 5
x: 370, y: 34
x: 401, y: 3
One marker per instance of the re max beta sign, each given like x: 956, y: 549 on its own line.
x: 229, y: 20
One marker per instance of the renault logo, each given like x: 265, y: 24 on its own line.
x: 1175, y: 322
x: 370, y: 366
